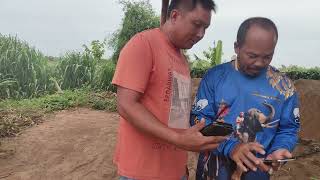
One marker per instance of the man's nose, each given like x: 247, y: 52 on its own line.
x: 201, y: 33
x: 260, y: 63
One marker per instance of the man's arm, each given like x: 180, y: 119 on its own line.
x: 287, y: 134
x: 132, y: 80
x: 282, y: 144
x: 131, y: 109
x: 204, y: 107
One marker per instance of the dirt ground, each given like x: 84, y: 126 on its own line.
x: 78, y: 144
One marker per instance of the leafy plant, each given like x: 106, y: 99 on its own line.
x: 296, y: 72
x: 212, y: 57
x: 76, y: 70
x: 104, y: 101
x: 104, y: 75
x: 96, y: 49
x: 138, y: 16
x: 23, y: 70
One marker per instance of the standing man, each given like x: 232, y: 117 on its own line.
x: 249, y: 84
x: 153, y: 95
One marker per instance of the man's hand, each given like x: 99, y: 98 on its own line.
x: 130, y: 108
x: 243, y: 155
x: 192, y: 140
x: 279, y: 154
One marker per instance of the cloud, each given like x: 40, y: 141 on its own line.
x: 61, y: 25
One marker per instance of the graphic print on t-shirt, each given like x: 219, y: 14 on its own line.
x: 180, y: 102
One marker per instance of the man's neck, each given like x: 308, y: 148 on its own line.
x: 168, y: 33
x: 235, y: 64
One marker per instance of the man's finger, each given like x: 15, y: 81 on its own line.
x: 241, y: 166
x: 215, y: 139
x: 263, y: 167
x: 256, y: 144
x: 248, y: 163
x: 253, y: 158
x: 257, y: 148
x: 269, y: 157
x: 270, y: 171
x: 199, y: 125
x: 287, y: 154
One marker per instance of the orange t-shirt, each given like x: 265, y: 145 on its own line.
x: 150, y: 64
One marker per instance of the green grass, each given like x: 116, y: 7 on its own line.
x: 49, y: 103
x: 16, y: 115
x: 103, y: 101
x: 314, y: 178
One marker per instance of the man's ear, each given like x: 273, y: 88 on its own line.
x: 236, y: 48
x: 174, y: 15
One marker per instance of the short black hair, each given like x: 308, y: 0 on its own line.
x: 190, y: 5
x: 262, y: 22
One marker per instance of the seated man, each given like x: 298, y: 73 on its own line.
x: 259, y: 101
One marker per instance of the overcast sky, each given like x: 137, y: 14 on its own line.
x: 56, y: 26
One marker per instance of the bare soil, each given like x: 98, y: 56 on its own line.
x: 79, y: 144
x: 73, y: 144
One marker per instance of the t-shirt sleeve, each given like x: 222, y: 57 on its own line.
x: 134, y: 65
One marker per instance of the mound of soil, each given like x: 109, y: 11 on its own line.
x: 309, y: 93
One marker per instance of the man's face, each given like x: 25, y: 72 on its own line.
x: 190, y: 26
x: 256, y: 52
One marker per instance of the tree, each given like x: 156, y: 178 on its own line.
x: 97, y: 49
x: 138, y: 16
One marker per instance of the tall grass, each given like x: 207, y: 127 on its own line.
x: 104, y: 74
x: 27, y: 73
x: 75, y: 70
x: 23, y: 69
x: 78, y: 70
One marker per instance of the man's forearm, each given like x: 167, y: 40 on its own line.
x: 137, y: 115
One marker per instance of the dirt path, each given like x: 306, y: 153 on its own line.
x: 74, y: 144
x: 79, y: 144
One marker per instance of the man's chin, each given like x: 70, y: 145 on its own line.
x: 252, y: 73
x: 188, y: 46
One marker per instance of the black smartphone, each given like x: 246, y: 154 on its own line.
x: 281, y: 161
x: 217, y: 129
